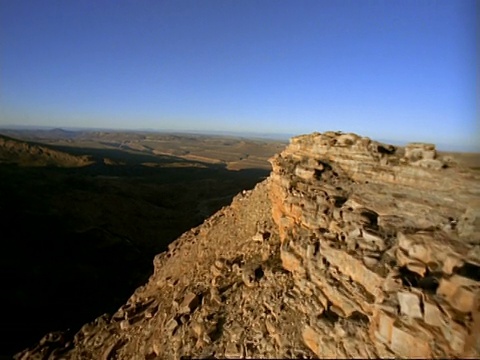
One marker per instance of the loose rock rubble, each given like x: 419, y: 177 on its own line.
x: 351, y: 248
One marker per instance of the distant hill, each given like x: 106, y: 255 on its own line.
x: 13, y: 151
x: 59, y: 133
x: 41, y: 134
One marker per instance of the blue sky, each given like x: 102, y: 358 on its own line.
x: 399, y: 70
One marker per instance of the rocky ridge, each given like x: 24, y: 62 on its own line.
x: 351, y: 248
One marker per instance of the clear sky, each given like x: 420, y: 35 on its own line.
x: 399, y: 70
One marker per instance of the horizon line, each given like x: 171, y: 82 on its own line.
x: 233, y: 133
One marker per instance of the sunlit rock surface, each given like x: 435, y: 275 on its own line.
x: 378, y: 239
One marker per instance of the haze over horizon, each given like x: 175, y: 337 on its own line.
x: 399, y: 70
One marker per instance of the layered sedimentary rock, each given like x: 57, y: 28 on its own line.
x: 351, y: 248
x: 384, y: 243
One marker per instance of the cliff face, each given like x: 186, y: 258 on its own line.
x: 351, y: 248
x: 384, y: 242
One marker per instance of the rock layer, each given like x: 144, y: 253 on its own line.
x: 351, y: 248
x: 377, y: 238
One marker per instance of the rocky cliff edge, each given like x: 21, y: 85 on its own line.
x: 351, y: 248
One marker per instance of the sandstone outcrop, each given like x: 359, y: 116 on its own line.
x: 351, y: 248
x: 371, y: 236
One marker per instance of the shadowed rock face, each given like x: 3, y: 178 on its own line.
x: 351, y: 248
